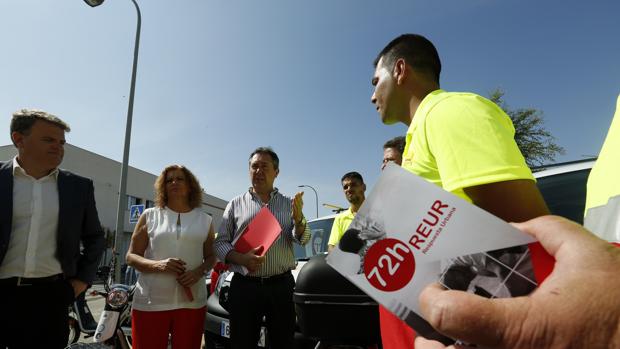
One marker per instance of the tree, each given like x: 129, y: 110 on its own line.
x: 535, y: 141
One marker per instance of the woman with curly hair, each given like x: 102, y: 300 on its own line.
x: 172, y: 248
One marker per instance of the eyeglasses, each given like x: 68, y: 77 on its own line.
x: 173, y: 179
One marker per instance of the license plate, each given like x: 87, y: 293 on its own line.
x: 225, y: 332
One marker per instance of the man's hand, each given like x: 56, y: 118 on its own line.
x: 170, y: 265
x: 79, y: 286
x: 577, y: 306
x: 251, y: 260
x: 298, y: 205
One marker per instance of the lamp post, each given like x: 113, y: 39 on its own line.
x: 316, y: 196
x: 122, y: 201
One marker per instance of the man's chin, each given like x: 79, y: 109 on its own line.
x: 387, y: 120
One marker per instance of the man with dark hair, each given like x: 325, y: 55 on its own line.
x: 353, y: 187
x: 267, y: 288
x: 50, y: 237
x: 393, y: 151
x: 461, y: 142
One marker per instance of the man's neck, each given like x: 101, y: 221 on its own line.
x: 263, y: 194
x: 355, y: 208
x: 416, y: 99
x: 32, y: 170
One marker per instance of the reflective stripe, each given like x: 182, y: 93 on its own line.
x: 604, y: 221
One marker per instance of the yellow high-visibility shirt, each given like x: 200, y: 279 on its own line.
x: 458, y: 140
x: 341, y: 224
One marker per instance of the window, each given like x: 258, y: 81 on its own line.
x: 319, y: 235
x: 150, y: 203
x: 132, y: 200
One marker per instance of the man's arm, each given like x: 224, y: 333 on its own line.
x: 93, y: 241
x: 335, y: 234
x: 513, y: 201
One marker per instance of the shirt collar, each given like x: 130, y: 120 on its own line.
x: 271, y: 195
x: 18, y: 169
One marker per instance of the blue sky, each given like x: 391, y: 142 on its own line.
x: 218, y: 78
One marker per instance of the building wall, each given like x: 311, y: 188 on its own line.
x: 105, y: 174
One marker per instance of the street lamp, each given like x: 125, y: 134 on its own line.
x: 316, y: 196
x: 122, y: 201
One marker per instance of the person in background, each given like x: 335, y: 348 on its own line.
x: 50, y: 236
x: 461, y: 142
x: 353, y: 187
x: 267, y: 289
x: 393, y: 151
x: 172, y: 248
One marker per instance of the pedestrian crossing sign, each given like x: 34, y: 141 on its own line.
x: 134, y: 213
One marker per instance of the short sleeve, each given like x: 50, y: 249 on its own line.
x: 472, y: 141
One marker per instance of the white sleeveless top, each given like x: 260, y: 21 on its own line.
x: 161, y: 291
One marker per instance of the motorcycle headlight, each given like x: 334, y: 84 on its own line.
x: 117, y: 298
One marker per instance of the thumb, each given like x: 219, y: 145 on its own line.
x: 258, y: 250
x: 472, y: 318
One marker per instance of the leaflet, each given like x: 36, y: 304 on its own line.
x: 410, y: 233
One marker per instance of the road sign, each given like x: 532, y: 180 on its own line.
x: 134, y: 213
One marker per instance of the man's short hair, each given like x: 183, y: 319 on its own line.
x: 352, y: 175
x: 417, y: 51
x: 23, y: 120
x: 267, y: 150
x: 397, y: 143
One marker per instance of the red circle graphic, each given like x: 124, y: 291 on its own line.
x: 389, y: 265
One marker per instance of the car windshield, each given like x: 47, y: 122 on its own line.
x: 320, y: 230
x: 565, y: 193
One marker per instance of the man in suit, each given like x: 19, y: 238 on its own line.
x: 50, y: 237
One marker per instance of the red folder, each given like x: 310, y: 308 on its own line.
x: 263, y: 230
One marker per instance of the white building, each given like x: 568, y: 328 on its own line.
x: 105, y: 174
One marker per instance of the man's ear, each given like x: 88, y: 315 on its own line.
x: 400, y: 70
x: 364, y: 186
x: 17, y: 138
x: 277, y: 172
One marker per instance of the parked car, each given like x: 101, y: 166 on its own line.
x: 564, y: 187
x: 217, y: 324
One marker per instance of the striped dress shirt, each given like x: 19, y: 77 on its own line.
x: 239, y: 213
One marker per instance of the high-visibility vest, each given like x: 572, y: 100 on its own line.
x: 602, y: 214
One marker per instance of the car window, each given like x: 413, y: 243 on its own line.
x: 320, y: 230
x: 565, y: 193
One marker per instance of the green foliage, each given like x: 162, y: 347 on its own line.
x: 535, y: 141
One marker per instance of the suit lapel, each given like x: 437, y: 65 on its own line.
x: 63, y: 203
x: 6, y: 201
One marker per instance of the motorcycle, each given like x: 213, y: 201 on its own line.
x: 114, y: 327
x: 80, y: 319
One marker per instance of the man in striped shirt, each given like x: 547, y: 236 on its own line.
x: 267, y: 288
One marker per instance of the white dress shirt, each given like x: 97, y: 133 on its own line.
x: 33, y: 244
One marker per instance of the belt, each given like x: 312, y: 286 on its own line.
x: 21, y: 281
x: 265, y: 279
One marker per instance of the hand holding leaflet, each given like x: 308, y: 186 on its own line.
x: 410, y: 233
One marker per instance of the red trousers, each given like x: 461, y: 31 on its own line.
x: 150, y: 329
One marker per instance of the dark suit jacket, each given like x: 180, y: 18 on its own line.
x: 77, y: 222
